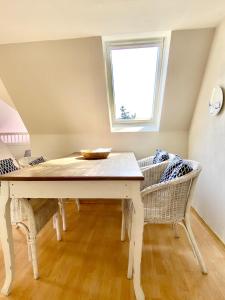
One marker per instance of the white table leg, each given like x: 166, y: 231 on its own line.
x: 6, y: 237
x: 138, y: 226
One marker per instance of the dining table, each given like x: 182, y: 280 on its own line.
x: 116, y: 177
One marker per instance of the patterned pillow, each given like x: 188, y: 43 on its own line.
x: 7, y: 166
x: 160, y: 156
x: 181, y: 170
x: 175, y: 162
x: 37, y: 161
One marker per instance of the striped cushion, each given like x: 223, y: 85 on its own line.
x: 7, y: 166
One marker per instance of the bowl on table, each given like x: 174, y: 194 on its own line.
x: 99, y: 153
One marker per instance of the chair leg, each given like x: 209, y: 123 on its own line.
x: 78, y: 204
x: 129, y: 223
x: 131, y: 248
x: 25, y: 230
x: 196, y: 250
x: 175, y: 229
x: 29, y: 250
x: 33, y: 253
x: 57, y: 226
x: 63, y: 214
x: 190, y: 242
x: 123, y: 225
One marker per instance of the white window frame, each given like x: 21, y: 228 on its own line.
x: 131, y: 125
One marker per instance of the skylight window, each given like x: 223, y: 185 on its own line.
x: 134, y: 77
x: 134, y: 70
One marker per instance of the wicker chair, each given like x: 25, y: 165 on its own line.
x: 31, y: 215
x: 168, y: 202
x: 143, y: 164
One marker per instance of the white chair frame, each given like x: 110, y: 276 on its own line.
x: 29, y: 228
x: 24, y: 162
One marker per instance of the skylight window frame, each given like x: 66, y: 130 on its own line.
x: 129, y: 44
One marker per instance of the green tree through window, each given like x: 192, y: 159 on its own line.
x: 125, y: 115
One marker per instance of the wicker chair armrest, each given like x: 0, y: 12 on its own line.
x: 169, y: 184
x: 152, y: 174
x: 144, y: 162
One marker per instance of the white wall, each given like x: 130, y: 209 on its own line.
x: 57, y: 145
x: 59, y: 89
x: 207, y: 142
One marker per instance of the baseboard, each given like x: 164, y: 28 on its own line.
x: 216, y: 237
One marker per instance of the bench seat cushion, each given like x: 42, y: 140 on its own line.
x: 43, y: 210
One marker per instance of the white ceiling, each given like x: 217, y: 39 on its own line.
x: 27, y: 20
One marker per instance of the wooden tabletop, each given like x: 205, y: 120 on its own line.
x: 118, y: 166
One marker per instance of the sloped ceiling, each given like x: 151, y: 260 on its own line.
x: 10, y: 120
x: 25, y: 20
x: 59, y: 86
x: 188, y: 56
x: 4, y: 95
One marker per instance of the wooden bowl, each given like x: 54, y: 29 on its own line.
x: 99, y: 153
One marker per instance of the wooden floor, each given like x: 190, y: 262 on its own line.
x: 91, y: 262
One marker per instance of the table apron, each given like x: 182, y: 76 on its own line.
x: 73, y: 189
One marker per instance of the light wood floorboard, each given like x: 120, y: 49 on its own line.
x: 91, y: 261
